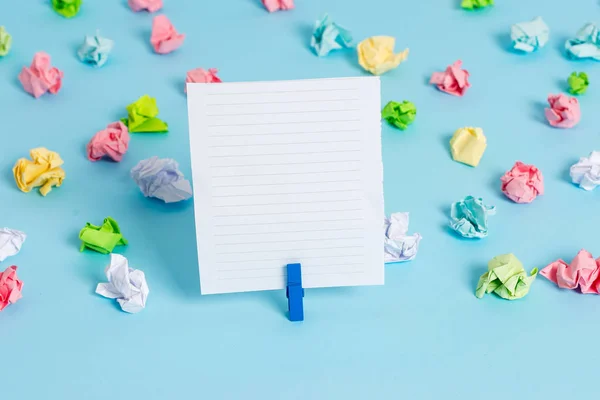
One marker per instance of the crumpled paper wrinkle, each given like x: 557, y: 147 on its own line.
x: 95, y: 50
x: 111, y: 142
x: 10, y: 287
x: 564, y: 111
x: 467, y: 145
x: 66, y: 8
x: 453, y: 80
x: 586, y: 172
x: 469, y: 217
x: 398, y: 245
x: 164, y: 37
x: 5, y: 42
x: 476, y: 4
x: 276, y: 5
x: 523, y: 183
x: 506, y: 277
x: 142, y: 116
x: 43, y: 171
x: 376, y: 54
x: 41, y: 77
x: 398, y: 114
x: 200, y: 75
x: 586, y: 44
x: 328, y: 36
x: 148, y: 5
x: 125, y: 284
x: 582, y: 273
x: 11, y: 241
x: 530, y: 36
x: 161, y: 178
x: 578, y: 83
x: 103, y: 238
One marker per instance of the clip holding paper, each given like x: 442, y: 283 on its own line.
x: 294, y: 292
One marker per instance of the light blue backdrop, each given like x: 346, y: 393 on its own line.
x: 423, y: 335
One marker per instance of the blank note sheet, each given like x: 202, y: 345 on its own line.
x: 287, y: 171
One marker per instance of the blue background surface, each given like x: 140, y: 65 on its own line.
x: 422, y: 335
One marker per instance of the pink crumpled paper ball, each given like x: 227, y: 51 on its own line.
x: 564, y: 111
x: 10, y: 287
x: 111, y: 142
x: 582, y: 272
x: 165, y: 38
x: 453, y: 80
x: 200, y: 75
x: 276, y: 5
x: 522, y: 183
x: 148, y: 5
x: 41, y: 77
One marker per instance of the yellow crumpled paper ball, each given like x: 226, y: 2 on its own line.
x: 467, y: 145
x: 376, y: 54
x: 42, y: 170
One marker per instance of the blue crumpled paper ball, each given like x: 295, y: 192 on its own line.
x: 95, y: 50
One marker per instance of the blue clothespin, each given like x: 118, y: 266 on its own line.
x: 295, y: 292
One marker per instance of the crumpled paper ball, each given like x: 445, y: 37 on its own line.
x: 125, y: 284
x: 142, y: 116
x: 469, y: 217
x: 476, y: 4
x: 111, y: 142
x: 530, y: 36
x: 564, y: 111
x: 102, y: 238
x: 399, y: 114
x: 5, y: 41
x: 586, y: 172
x: 200, y: 75
x: 453, y: 80
x: 66, y: 8
x: 467, y: 145
x: 44, y: 170
x: 148, y: 5
x: 165, y: 38
x: 586, y: 44
x: 41, y: 77
x: 11, y: 241
x: 328, y: 36
x: 95, y: 50
x: 398, y: 245
x: 162, y: 179
x: 523, y: 183
x: 578, y: 83
x: 506, y: 277
x: 376, y: 54
x: 276, y: 5
x: 10, y: 287
x: 582, y: 273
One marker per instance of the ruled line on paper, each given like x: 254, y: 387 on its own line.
x: 282, y: 102
x: 285, y: 123
x: 306, y: 257
x: 280, y: 112
x: 298, y: 231
x: 279, y: 250
x: 284, y: 213
x: 280, y: 91
x: 285, y: 183
x: 285, y: 133
x: 284, y: 144
x: 281, y: 154
x: 292, y: 240
x: 288, y: 203
x: 285, y: 173
x: 279, y: 268
x: 285, y: 222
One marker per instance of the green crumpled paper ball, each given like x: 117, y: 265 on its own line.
x: 5, y: 41
x: 506, y: 277
x: 66, y: 8
x: 578, y: 83
x: 399, y: 114
x: 103, y: 238
x: 476, y: 4
x: 142, y: 116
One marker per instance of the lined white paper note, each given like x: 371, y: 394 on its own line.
x: 285, y: 172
